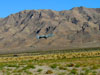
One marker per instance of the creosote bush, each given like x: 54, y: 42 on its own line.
x: 73, y: 71
x: 70, y: 65
x: 53, y: 66
x: 62, y: 68
x: 39, y: 70
x: 29, y: 66
x: 77, y: 65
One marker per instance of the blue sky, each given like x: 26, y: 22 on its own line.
x: 8, y: 7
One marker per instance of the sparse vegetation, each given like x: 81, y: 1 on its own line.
x: 54, y: 66
x: 73, y: 71
x: 49, y: 72
x: 62, y: 68
x: 39, y: 70
x: 70, y: 65
x: 77, y: 63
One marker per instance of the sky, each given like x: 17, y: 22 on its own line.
x: 8, y: 7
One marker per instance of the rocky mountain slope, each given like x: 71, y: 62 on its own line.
x: 75, y: 28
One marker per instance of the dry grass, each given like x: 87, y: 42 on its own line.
x: 52, y: 56
x: 66, y: 63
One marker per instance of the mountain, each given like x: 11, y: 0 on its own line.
x: 75, y: 28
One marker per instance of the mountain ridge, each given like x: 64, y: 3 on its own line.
x: 75, y: 28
